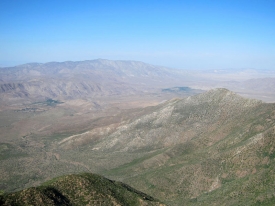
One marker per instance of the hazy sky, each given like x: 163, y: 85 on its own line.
x: 192, y: 34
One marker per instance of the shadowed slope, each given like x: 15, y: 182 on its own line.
x: 82, y: 189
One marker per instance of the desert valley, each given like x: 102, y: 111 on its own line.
x: 180, y: 137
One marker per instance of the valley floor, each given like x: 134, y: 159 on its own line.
x: 214, y: 148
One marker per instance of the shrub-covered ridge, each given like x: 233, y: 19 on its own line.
x: 79, y: 189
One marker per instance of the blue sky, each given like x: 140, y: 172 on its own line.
x: 221, y: 34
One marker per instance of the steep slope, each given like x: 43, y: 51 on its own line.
x: 82, y: 189
x: 177, y: 121
x: 216, y: 147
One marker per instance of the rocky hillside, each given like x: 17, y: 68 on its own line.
x: 82, y: 189
x: 215, y: 148
x: 208, y: 117
x: 193, y: 150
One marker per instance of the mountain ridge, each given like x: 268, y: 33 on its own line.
x: 79, y: 189
x: 85, y: 79
x: 222, y: 151
x: 212, y: 148
x: 169, y: 115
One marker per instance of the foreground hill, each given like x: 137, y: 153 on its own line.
x: 82, y: 189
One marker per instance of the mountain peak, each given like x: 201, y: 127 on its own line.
x: 222, y: 96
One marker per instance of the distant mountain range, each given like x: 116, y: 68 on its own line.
x: 85, y: 79
x: 102, y: 78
